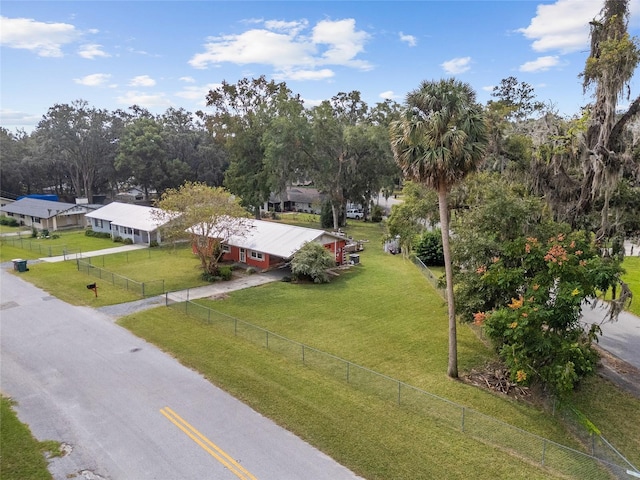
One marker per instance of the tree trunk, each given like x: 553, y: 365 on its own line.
x: 334, y: 213
x: 452, y: 369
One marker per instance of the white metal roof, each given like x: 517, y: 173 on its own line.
x: 128, y: 215
x: 279, y: 239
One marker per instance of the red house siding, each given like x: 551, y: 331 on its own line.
x: 337, y: 248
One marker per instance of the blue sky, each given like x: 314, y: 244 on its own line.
x: 161, y: 54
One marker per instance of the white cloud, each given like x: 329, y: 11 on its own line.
x: 197, y: 94
x: 488, y: 88
x: 540, y: 64
x: 284, y: 47
x: 187, y: 79
x: 345, y: 43
x: 91, y: 51
x: 13, y: 117
x: 301, y: 75
x: 389, y: 95
x: 409, y: 39
x: 562, y: 26
x: 310, y: 103
x: 145, y: 100
x: 456, y: 65
x: 93, y: 80
x: 44, y: 39
x: 142, y: 81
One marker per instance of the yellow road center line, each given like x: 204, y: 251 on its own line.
x: 207, y: 445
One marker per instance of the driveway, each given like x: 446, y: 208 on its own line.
x: 128, y: 410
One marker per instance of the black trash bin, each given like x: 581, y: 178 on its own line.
x: 21, y: 265
x: 354, y: 259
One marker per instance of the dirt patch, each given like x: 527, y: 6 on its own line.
x: 219, y: 296
x: 495, y: 377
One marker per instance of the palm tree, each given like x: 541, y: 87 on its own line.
x: 438, y: 141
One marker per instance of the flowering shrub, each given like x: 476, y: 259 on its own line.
x: 538, y: 331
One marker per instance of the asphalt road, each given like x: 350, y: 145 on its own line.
x: 621, y: 338
x: 126, y: 409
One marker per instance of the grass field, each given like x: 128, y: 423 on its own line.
x: 381, y: 314
x: 22, y: 455
x: 632, y: 278
x: 71, y: 241
x: 179, y: 269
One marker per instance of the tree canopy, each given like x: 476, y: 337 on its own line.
x: 207, y: 216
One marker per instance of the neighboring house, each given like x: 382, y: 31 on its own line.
x: 47, y: 214
x: 296, y: 199
x: 267, y: 245
x: 126, y: 220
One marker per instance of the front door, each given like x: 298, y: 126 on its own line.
x: 243, y: 255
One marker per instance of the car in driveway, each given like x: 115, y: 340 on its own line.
x: 355, y: 213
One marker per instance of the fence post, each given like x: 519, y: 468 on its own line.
x: 348, y: 364
x: 166, y: 298
x: 399, y: 387
x: 163, y: 284
x: 302, y: 354
x: 235, y: 327
x: 463, y: 419
x: 267, y: 338
x: 208, y: 315
x: 544, y: 449
x: 143, y: 289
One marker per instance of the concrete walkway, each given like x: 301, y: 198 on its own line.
x: 95, y: 253
x: 217, y: 288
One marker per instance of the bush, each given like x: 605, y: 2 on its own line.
x: 34, y: 233
x: 117, y: 239
x: 153, y: 244
x: 127, y: 241
x: 11, y: 222
x: 209, y: 277
x: 313, y: 261
x: 376, y: 214
x: 326, y: 216
x: 429, y: 250
x: 225, y: 272
x: 91, y: 233
x: 250, y: 270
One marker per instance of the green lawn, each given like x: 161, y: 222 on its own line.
x: 381, y: 314
x: 179, y: 269
x: 22, y: 456
x: 71, y: 241
x: 632, y: 278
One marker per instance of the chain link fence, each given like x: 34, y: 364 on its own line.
x: 40, y: 248
x: 602, y: 462
x: 143, y: 289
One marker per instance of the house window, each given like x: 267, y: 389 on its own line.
x: 127, y: 230
x: 136, y: 232
x: 226, y: 248
x: 95, y: 222
x: 21, y: 216
x: 10, y: 214
x: 256, y: 255
x: 35, y: 219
